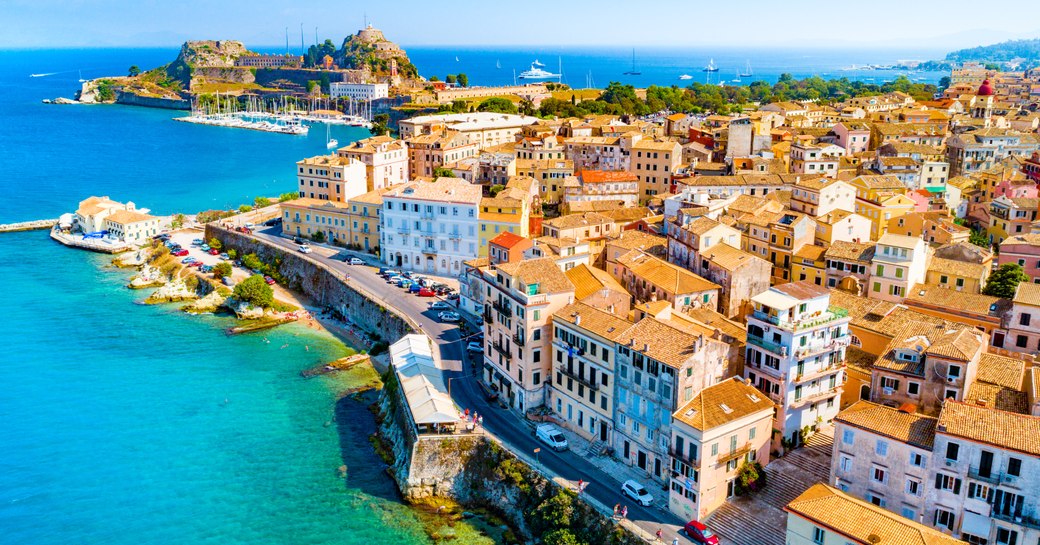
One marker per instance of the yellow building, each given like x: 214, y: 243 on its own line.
x: 353, y: 224
x: 880, y: 199
x: 809, y: 265
x: 550, y: 175
x: 510, y: 211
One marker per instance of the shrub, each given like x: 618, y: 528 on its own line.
x: 288, y: 197
x: 261, y: 202
x: 251, y: 262
x: 318, y: 236
x: 232, y: 253
x: 254, y: 291
x: 215, y: 243
x: 221, y: 270
x: 245, y: 208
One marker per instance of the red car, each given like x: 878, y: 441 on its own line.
x: 426, y: 292
x: 214, y: 251
x: 195, y: 264
x: 700, y: 533
x: 269, y: 280
x: 180, y: 253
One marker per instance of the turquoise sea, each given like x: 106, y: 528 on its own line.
x: 126, y: 424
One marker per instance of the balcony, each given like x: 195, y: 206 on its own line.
x: 487, y: 316
x: 518, y: 340
x: 577, y: 378
x: 455, y: 235
x: 733, y: 455
x: 429, y: 250
x: 818, y: 396
x: 1028, y: 522
x: 823, y: 371
x: 502, y: 350
x: 684, y: 457
x: 816, y: 348
x: 775, y: 348
x: 503, y: 308
x: 993, y: 477
x: 404, y: 230
x: 833, y: 313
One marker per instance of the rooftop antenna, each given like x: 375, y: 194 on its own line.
x: 286, y: 41
x: 303, y: 48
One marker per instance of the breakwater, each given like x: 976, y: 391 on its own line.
x: 27, y: 225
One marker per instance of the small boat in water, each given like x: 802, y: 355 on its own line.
x: 536, y: 73
x: 685, y: 77
x: 747, y: 71
x: 633, y: 71
x: 330, y: 142
x: 711, y: 66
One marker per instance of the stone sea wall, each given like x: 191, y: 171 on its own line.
x: 326, y: 286
x: 131, y: 99
x: 478, y: 473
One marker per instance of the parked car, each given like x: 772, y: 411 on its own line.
x: 206, y: 268
x: 196, y: 242
x: 636, y: 491
x: 214, y: 251
x: 383, y: 270
x: 448, y: 316
x: 297, y: 240
x: 228, y: 281
x: 204, y: 247
x: 188, y: 260
x: 273, y: 221
x: 269, y: 280
x: 195, y: 264
x: 414, y: 287
x: 426, y: 292
x: 394, y: 279
x: 490, y: 392
x: 552, y: 436
x: 440, y: 305
x: 179, y: 253
x: 355, y: 261
x: 474, y: 347
x: 225, y: 256
x: 700, y: 533
x: 305, y: 249
x: 250, y: 226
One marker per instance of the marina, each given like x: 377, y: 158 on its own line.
x: 278, y: 117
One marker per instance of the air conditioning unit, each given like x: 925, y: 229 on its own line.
x: 951, y: 379
x: 887, y: 391
x: 951, y: 463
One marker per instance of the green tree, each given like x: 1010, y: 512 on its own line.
x: 555, y: 512
x: 232, y: 253
x: 495, y: 190
x: 497, y: 104
x: 251, y: 262
x: 434, y: 78
x: 255, y: 291
x: 560, y: 536
x: 380, y: 125
x: 288, y: 196
x: 134, y: 71
x: 441, y: 172
x: 178, y: 221
x: 245, y: 208
x: 325, y: 83
x: 215, y: 243
x: 1005, y: 280
x: 318, y: 236
x: 463, y: 80
x: 261, y: 202
x: 222, y: 270
x: 978, y: 237
x: 450, y: 78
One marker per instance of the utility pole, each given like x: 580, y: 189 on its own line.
x: 286, y: 41
x: 315, y: 36
x: 303, y: 48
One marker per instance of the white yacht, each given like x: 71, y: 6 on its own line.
x: 685, y: 77
x: 536, y: 73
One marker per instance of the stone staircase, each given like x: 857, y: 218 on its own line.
x: 759, y: 519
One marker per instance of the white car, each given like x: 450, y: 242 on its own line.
x: 355, y: 261
x: 474, y: 347
x: 440, y: 305
x: 636, y: 491
x: 304, y: 249
x: 449, y: 316
x: 552, y: 436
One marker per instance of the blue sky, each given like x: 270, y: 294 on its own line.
x: 750, y: 23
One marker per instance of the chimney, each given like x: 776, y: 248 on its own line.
x: 646, y: 347
x: 577, y: 320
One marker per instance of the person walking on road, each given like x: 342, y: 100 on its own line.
x: 624, y: 511
x: 659, y: 534
x: 617, y: 507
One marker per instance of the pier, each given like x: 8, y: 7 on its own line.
x: 102, y: 245
x: 33, y: 225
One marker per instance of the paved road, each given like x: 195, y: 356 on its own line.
x: 508, y: 427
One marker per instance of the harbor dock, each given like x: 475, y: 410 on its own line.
x: 33, y: 225
x: 103, y: 245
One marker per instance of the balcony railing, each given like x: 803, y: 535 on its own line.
x: 832, y: 313
x: 822, y: 371
x: 775, y: 348
x: 684, y: 457
x: 733, y: 455
x: 503, y: 308
x: 502, y: 350
x: 578, y: 378
x: 799, y: 401
x: 816, y: 348
x: 1029, y: 522
x: 487, y: 316
x: 993, y: 476
x: 518, y: 340
x: 429, y: 250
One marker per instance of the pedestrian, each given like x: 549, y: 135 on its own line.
x: 467, y: 413
x: 617, y: 507
x: 480, y: 421
x: 659, y: 534
x: 581, y: 484
x: 624, y: 511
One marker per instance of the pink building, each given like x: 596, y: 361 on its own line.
x: 1024, y: 250
x: 1013, y: 188
x: 853, y: 136
x: 922, y: 199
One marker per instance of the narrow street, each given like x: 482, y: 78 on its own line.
x: 514, y: 432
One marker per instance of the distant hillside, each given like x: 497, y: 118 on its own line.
x: 1027, y: 52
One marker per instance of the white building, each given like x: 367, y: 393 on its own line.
x: 724, y: 427
x: 796, y: 354
x: 486, y: 129
x: 882, y: 455
x: 899, y: 262
x: 359, y: 91
x: 430, y: 226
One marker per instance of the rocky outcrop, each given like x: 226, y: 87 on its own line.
x: 130, y: 98
x: 245, y: 311
x: 132, y: 259
x: 172, y: 292
x: 218, y: 53
x: 212, y: 302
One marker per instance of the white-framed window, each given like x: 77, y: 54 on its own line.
x: 845, y: 462
x: 879, y: 474
x: 913, y: 487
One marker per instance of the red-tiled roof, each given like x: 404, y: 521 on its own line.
x: 506, y: 240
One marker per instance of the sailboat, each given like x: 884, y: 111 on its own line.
x: 498, y: 64
x: 633, y: 71
x: 456, y: 58
x: 747, y: 71
x: 736, y: 79
x: 685, y: 77
x: 330, y: 142
x: 81, y: 80
x: 711, y: 66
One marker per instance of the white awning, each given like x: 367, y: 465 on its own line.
x: 775, y: 300
x: 975, y: 524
